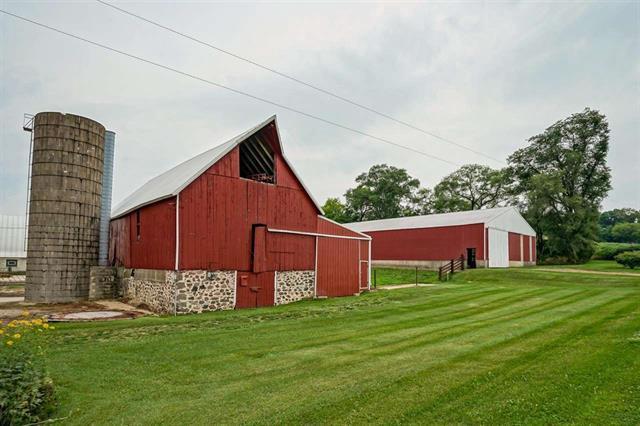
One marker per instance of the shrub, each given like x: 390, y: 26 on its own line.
x: 608, y: 251
x: 26, y: 390
x: 630, y: 259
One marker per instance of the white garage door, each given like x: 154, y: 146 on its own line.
x: 498, y: 248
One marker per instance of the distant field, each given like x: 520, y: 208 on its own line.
x: 489, y: 347
x: 388, y: 276
x: 597, y: 265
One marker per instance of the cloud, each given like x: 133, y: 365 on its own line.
x: 482, y: 74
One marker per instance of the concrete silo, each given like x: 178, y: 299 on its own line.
x: 64, y: 206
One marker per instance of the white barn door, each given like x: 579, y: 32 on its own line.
x: 498, y: 248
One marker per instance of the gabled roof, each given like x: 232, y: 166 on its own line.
x: 171, y: 182
x: 506, y: 218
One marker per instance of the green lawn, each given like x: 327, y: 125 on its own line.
x: 597, y: 265
x: 389, y: 276
x: 492, y: 347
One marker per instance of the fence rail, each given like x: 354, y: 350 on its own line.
x: 450, y: 268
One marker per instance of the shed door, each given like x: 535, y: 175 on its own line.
x: 364, y: 274
x: 498, y: 248
x: 254, y: 290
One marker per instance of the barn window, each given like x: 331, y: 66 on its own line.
x: 257, y: 160
x: 138, y: 224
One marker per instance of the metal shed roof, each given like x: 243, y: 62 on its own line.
x: 505, y: 218
x: 12, y: 236
x: 171, y: 182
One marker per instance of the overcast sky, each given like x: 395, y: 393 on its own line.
x: 486, y: 75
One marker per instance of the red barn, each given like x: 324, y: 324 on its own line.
x: 233, y: 227
x: 500, y: 236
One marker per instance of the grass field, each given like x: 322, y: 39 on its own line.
x: 597, y: 265
x: 389, y: 276
x: 509, y: 346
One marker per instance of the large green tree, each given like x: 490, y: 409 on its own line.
x: 611, y: 218
x: 626, y: 232
x: 471, y: 187
x: 334, y: 209
x: 562, y: 177
x: 383, y: 192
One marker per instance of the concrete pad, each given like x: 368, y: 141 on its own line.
x: 12, y: 299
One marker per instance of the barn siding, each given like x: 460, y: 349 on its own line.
x: 338, y: 267
x: 326, y: 226
x: 156, y: 247
x: 534, y: 249
x: 441, y: 243
x: 514, y: 247
x: 217, y: 214
x: 119, y: 242
x: 526, y: 255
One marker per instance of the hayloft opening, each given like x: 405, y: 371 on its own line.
x: 257, y: 160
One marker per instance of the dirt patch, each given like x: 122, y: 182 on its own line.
x: 79, y: 311
x: 586, y: 271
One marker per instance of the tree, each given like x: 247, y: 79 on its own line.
x: 626, y: 233
x: 383, y: 192
x: 471, y: 187
x: 562, y: 177
x: 613, y: 217
x: 334, y: 209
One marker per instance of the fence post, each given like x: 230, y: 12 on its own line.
x: 462, y: 262
x: 452, y: 267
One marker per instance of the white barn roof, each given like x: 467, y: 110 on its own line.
x: 171, y: 182
x: 505, y: 218
x: 12, y: 236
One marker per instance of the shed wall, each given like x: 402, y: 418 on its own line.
x: 514, y: 247
x: 442, y: 243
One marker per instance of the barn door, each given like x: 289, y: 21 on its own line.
x: 254, y: 290
x: 498, y: 248
x: 364, y: 274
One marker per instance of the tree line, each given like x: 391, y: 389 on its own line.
x: 558, y: 181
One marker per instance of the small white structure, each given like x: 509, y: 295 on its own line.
x: 13, y: 253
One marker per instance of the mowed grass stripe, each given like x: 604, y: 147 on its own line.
x: 336, y: 363
x: 500, y: 381
x: 410, y: 378
x: 230, y: 322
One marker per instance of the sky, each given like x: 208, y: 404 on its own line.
x: 487, y: 75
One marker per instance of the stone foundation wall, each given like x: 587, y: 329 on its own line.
x: 200, y: 291
x: 291, y: 286
x: 150, y: 287
x: 102, y: 282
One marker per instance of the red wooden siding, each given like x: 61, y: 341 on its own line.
x: 441, y: 243
x: 325, y: 226
x: 534, y: 249
x: 119, y: 242
x: 155, y: 247
x: 526, y: 255
x: 290, y: 252
x: 217, y: 214
x: 514, y: 247
x: 338, y: 267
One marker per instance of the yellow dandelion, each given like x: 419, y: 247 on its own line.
x: 9, y: 342
x: 17, y: 336
x: 25, y: 313
x: 1, y: 331
x: 45, y: 326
